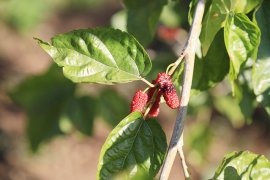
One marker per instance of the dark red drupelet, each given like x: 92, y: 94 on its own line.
x: 170, y: 96
x: 139, y: 101
x: 154, y: 111
x: 163, y: 80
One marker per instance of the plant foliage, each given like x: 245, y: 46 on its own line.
x: 234, y: 41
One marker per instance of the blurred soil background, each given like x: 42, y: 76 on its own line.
x: 215, y: 125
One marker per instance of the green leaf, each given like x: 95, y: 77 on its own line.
x: 198, y: 102
x: 178, y: 76
x: 174, y: 14
x: 192, y: 6
x: 243, y: 165
x: 101, y: 55
x: 242, y: 38
x: 212, y: 22
x: 199, y: 140
x: 212, y: 68
x: 208, y: 70
x: 217, y: 14
x: 141, y: 174
x: 24, y: 14
x: 244, y: 6
x: 80, y: 112
x: 143, y: 17
x: 134, y: 144
x: 119, y: 20
x: 244, y: 92
x: 261, y: 69
x: 43, y: 98
x: 229, y: 107
x: 162, y: 59
x: 112, y: 107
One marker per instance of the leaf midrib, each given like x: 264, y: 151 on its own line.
x: 131, y: 147
x: 100, y: 63
x: 132, y: 144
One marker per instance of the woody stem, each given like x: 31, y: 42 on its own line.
x: 189, y: 55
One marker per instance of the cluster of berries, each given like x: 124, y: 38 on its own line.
x: 163, y: 87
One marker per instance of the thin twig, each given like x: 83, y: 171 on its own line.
x: 182, y: 157
x: 147, y: 82
x: 186, y: 87
x: 150, y: 104
x: 178, y: 61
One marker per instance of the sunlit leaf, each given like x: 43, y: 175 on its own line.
x: 217, y: 14
x: 243, y: 6
x: 243, y: 165
x: 242, y: 37
x: 101, y: 55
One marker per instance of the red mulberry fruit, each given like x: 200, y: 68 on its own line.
x: 154, y: 111
x: 151, y: 92
x: 170, y: 96
x: 163, y: 80
x: 139, y: 101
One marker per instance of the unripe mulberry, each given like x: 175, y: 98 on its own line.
x: 170, y: 96
x: 163, y: 80
x: 139, y: 101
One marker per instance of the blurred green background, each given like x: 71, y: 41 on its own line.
x: 53, y: 129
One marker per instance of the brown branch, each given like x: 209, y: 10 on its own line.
x: 189, y: 52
